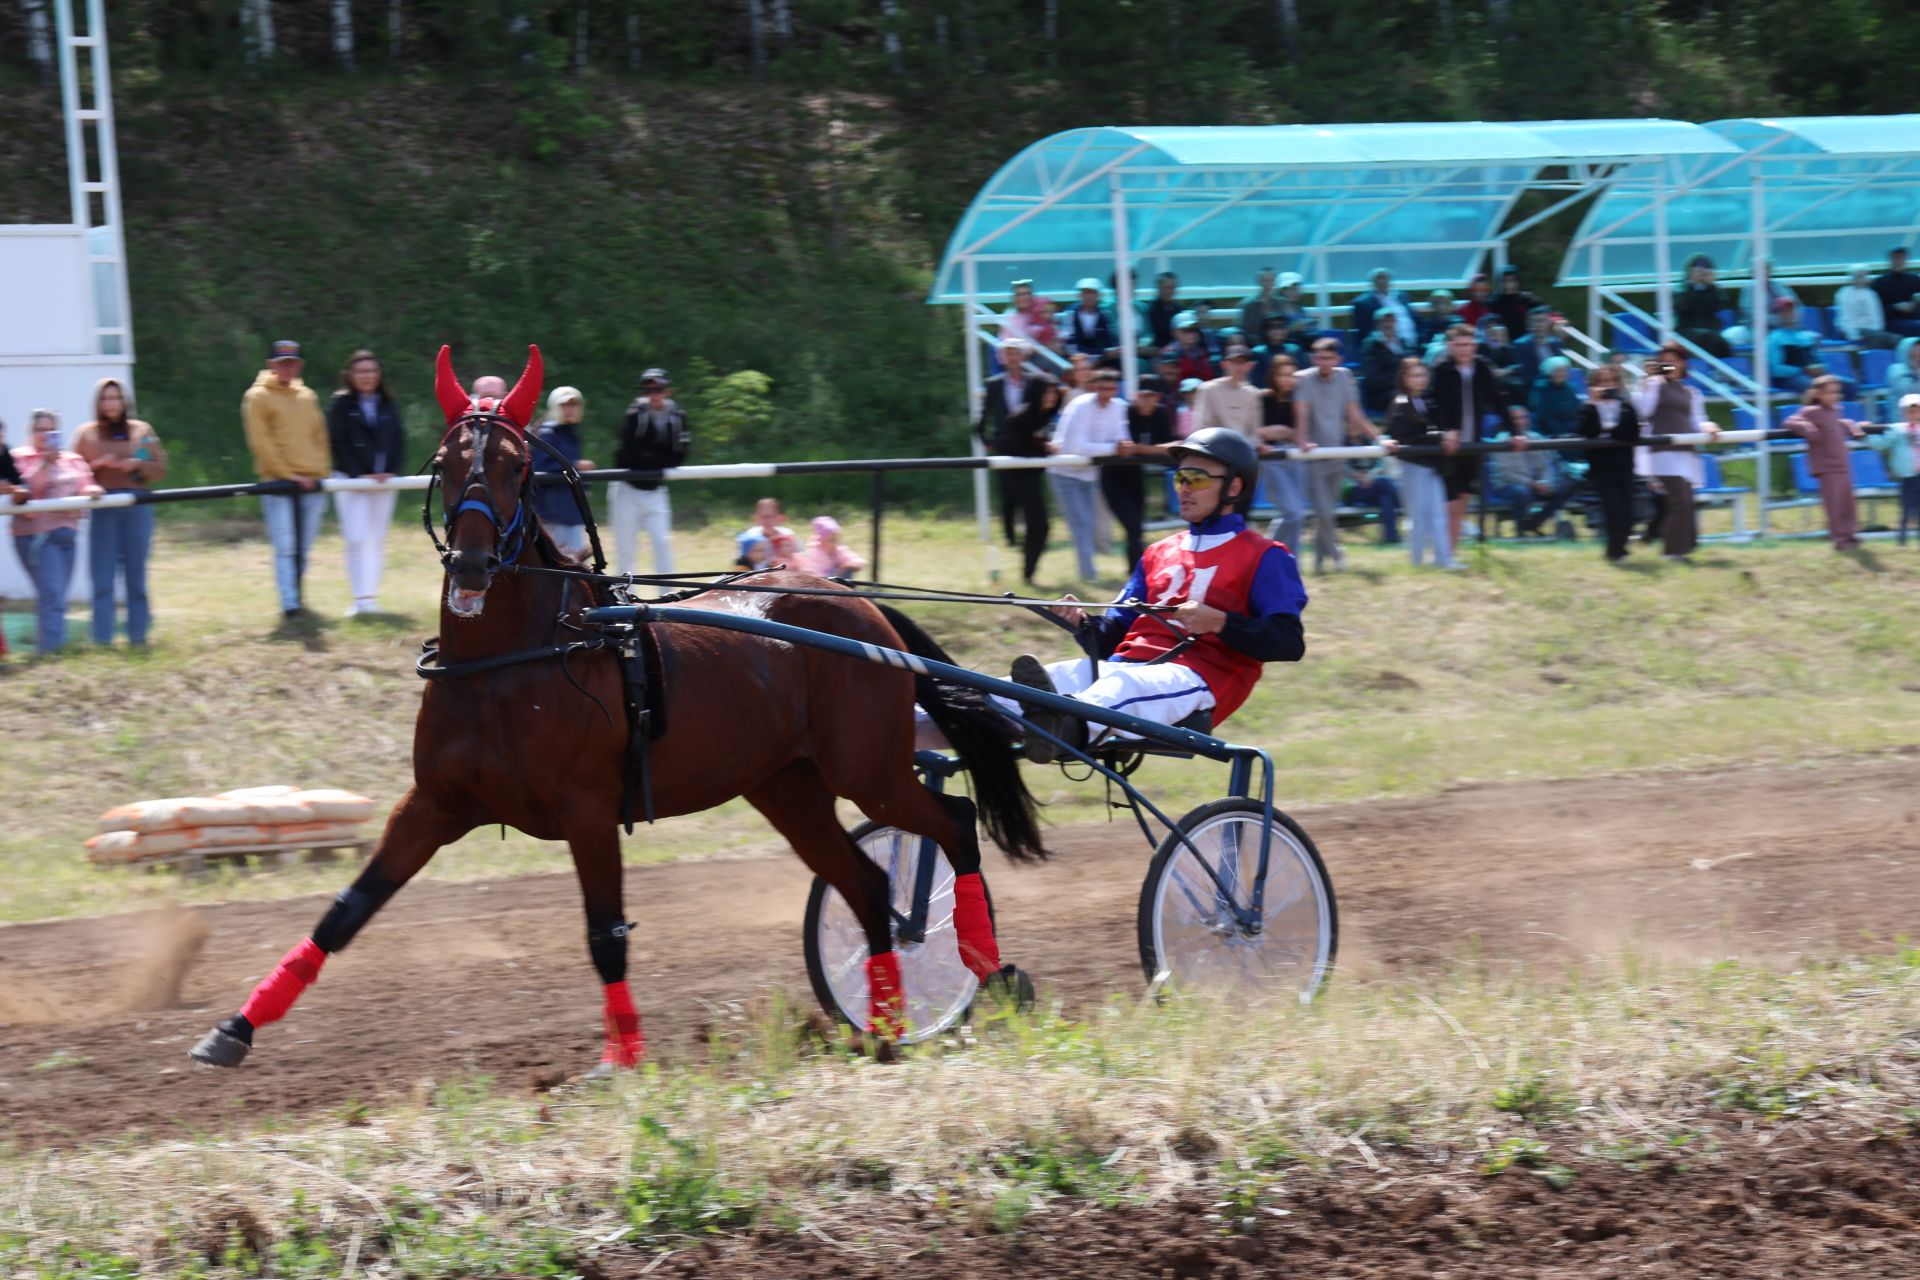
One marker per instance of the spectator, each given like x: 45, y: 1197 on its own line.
x: 1903, y: 376
x: 756, y: 552
x: 1373, y: 487
x: 1190, y: 348
x: 1278, y: 343
x: 654, y: 436
x: 1380, y: 359
x: 1041, y: 329
x: 1263, y: 302
x: 1383, y: 298
x: 1901, y: 444
x: 1667, y: 406
x: 1422, y: 483
x: 287, y: 435
x: 126, y: 457
x: 1858, y: 313
x: 558, y: 509
x: 1608, y: 416
x: 1541, y: 344
x: 1017, y: 320
x: 1513, y: 304
x: 1479, y: 303
x: 1230, y: 401
x: 10, y: 481
x: 1300, y: 321
x: 1526, y: 478
x: 1078, y: 376
x: 1498, y: 352
x: 826, y: 556
x: 1765, y: 286
x: 1436, y: 317
x: 1283, y: 480
x: 1555, y: 401
x: 1183, y: 420
x: 1150, y: 428
x: 1793, y: 353
x: 1025, y: 436
x: 363, y: 434
x: 46, y: 541
x: 1326, y: 412
x: 1161, y: 309
x: 1093, y: 424
x: 770, y: 524
x: 1697, y: 308
x: 1898, y: 289
x: 1090, y: 328
x: 1006, y: 394
x: 1467, y: 399
x: 1629, y: 374
x: 1830, y: 440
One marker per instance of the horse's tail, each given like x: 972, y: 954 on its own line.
x: 977, y: 732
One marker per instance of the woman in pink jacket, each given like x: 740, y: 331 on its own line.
x: 47, y: 541
x: 1829, y: 440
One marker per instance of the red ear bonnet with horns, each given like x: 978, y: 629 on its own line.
x: 516, y: 407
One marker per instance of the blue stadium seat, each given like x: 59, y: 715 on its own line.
x: 1630, y: 333
x: 1743, y: 420
x: 1873, y: 367
x: 1870, y: 470
x: 1728, y: 318
x: 1803, y: 480
x: 1816, y: 319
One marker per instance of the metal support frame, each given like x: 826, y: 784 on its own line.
x: 976, y: 395
x: 105, y: 238
x: 1123, y: 287
x: 1762, y: 361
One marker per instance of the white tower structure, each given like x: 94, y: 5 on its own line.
x: 65, y: 321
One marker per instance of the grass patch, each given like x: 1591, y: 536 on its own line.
x: 1542, y: 662
x: 1135, y: 1104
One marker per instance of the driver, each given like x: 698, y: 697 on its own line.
x: 1235, y: 593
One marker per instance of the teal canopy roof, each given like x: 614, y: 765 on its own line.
x: 1332, y: 202
x: 1836, y: 190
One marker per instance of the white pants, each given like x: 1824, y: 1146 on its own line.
x: 1163, y: 692
x: 637, y: 509
x: 364, y: 518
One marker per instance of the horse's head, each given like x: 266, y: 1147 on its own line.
x: 486, y: 469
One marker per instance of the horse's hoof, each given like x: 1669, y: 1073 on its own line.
x: 219, y: 1049
x: 1011, y: 986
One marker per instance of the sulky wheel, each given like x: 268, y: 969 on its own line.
x: 1190, y: 939
x: 939, y: 987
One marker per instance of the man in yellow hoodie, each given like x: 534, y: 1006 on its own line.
x: 287, y: 434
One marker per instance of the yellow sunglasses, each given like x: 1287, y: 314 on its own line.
x: 1195, y: 478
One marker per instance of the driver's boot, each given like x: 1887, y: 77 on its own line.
x: 1028, y: 673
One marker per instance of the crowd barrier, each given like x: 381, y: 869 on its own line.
x: 876, y: 468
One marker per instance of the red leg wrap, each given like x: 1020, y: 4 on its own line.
x: 973, y: 923
x: 279, y: 989
x: 886, y: 998
x: 625, y: 1045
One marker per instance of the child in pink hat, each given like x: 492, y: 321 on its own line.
x: 825, y: 556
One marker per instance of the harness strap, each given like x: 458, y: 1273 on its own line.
x: 429, y: 667
x: 637, y: 773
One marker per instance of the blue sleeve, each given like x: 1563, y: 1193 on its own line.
x: 1110, y: 628
x: 1276, y: 586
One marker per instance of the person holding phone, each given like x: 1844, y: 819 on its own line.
x: 1670, y: 407
x: 1607, y: 416
x: 126, y: 457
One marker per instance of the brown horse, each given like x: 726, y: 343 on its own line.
x: 539, y: 745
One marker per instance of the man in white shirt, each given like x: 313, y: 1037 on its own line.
x: 1091, y: 424
x: 1861, y: 317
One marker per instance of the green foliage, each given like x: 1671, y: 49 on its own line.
x: 678, y: 1187
x: 1531, y: 1097
x: 1529, y: 1154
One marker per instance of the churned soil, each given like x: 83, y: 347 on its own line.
x: 1811, y: 1202
x: 96, y: 1016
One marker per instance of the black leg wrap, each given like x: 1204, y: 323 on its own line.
x: 239, y: 1028
x: 608, y: 946
x: 960, y: 810
x: 352, y: 909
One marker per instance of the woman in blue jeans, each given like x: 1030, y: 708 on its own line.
x: 1093, y: 423
x: 46, y: 541
x: 126, y: 457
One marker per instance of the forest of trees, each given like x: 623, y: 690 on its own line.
x: 755, y: 191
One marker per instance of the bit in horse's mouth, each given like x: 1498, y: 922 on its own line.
x: 464, y: 603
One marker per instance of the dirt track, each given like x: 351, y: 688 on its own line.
x: 476, y: 978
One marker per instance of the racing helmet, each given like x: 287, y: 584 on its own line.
x: 1225, y: 445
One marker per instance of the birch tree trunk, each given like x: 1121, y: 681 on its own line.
x: 1287, y: 14
x: 1050, y: 31
x: 39, y: 36
x: 343, y: 32
x: 890, y: 36
x: 757, y: 35
x: 633, y: 39
x: 396, y: 31
x: 257, y: 18
x: 783, y: 22
x: 580, y: 37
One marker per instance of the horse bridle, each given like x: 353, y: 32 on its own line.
x: 509, y: 535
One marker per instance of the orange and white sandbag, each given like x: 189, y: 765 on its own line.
x: 327, y: 805
x: 316, y: 834
x: 132, y: 846
x: 173, y: 814
x: 231, y: 836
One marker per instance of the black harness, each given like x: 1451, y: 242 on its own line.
x: 638, y: 649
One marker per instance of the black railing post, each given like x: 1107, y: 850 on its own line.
x: 879, y: 505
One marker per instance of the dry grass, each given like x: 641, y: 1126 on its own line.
x: 1540, y: 662
x: 1468, y: 1075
